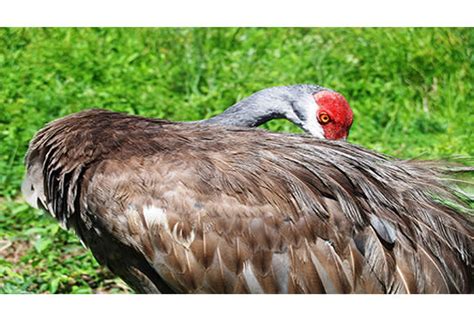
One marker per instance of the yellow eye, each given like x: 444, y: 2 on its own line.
x: 324, y: 118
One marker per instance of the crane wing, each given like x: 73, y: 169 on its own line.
x: 188, y: 208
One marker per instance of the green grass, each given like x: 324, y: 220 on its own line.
x: 411, y: 91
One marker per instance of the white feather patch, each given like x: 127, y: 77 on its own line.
x: 281, y: 269
x: 156, y: 216
x: 312, y: 125
x: 251, y: 279
x: 32, y: 187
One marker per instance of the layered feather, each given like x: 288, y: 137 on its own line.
x: 201, y: 208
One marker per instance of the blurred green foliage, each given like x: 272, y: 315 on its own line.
x: 411, y: 90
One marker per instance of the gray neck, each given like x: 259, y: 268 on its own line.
x: 267, y: 104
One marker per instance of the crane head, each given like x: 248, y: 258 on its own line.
x: 333, y: 114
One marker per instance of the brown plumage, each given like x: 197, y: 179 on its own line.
x: 197, y: 208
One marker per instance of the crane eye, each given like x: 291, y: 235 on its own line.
x: 324, y: 118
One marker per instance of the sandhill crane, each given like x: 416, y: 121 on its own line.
x: 205, y: 208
